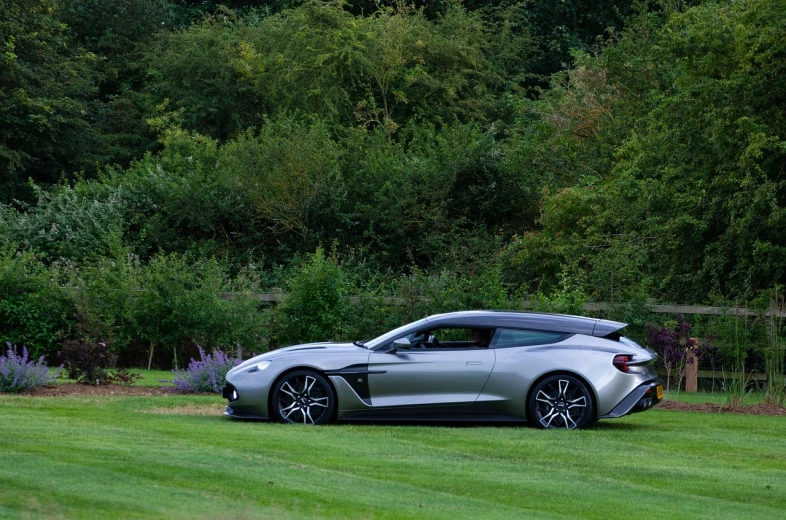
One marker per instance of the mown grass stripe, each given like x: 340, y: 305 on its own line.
x: 84, y: 457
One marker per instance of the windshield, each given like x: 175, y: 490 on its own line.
x: 393, y: 334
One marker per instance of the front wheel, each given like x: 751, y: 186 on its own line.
x: 303, y: 397
x: 561, y: 401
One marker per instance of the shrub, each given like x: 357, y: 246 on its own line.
x: 34, y: 309
x: 567, y: 298
x: 122, y: 376
x: 18, y: 374
x: 316, y: 307
x: 672, y: 343
x: 73, y: 223
x: 90, y: 362
x: 207, y: 375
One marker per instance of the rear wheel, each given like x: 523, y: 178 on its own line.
x: 561, y: 401
x: 304, y: 397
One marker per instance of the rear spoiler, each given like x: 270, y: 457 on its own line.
x: 608, y: 329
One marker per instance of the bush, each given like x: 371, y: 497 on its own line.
x: 17, y: 374
x: 72, y: 223
x: 87, y: 362
x: 673, y: 343
x: 207, y: 375
x: 316, y: 307
x: 180, y: 304
x: 34, y: 310
x: 89, y: 359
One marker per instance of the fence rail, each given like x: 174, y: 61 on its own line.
x: 278, y: 296
x: 720, y: 375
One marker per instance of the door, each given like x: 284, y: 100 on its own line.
x: 428, y: 376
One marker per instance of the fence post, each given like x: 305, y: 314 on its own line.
x: 691, y: 372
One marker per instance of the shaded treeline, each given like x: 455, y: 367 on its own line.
x: 610, y: 150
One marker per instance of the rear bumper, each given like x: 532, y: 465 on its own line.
x: 642, y: 398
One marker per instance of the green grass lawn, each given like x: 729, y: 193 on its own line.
x: 177, y: 457
x: 153, y: 377
x: 147, y: 377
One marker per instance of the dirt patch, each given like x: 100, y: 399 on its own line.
x: 191, y: 409
x: 69, y: 389
x: 755, y: 409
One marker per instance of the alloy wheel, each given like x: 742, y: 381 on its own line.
x: 304, y: 397
x: 561, y: 402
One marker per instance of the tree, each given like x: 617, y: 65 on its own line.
x: 286, y: 169
x: 45, y: 109
x: 690, y: 197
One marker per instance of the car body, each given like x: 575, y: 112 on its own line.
x: 550, y: 370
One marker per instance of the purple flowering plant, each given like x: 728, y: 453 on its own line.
x: 20, y: 374
x: 206, y: 375
x: 673, y: 345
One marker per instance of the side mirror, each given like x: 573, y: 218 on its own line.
x: 401, y: 344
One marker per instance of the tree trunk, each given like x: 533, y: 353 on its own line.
x: 150, y: 360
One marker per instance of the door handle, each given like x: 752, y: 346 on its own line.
x: 474, y: 362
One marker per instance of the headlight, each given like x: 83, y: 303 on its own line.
x: 260, y: 366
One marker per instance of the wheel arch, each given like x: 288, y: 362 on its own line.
x: 288, y: 371
x: 593, y: 393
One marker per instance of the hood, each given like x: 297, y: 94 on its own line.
x: 324, y: 347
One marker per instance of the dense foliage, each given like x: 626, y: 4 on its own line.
x: 155, y: 154
x: 688, y: 201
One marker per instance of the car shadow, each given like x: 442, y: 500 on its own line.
x: 599, y: 426
x: 449, y: 424
x: 620, y: 426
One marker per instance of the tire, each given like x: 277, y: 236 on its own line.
x: 561, y: 401
x: 303, y: 397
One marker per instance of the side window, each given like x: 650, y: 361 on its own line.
x: 453, y: 338
x: 522, y: 338
x: 457, y: 336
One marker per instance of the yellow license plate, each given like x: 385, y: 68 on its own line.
x: 659, y: 391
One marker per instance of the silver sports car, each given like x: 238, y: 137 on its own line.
x: 550, y: 370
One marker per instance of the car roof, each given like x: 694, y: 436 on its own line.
x: 528, y: 320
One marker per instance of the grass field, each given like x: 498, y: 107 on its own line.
x: 176, y: 457
x: 153, y: 377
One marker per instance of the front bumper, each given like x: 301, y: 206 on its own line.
x: 235, y: 414
x: 230, y: 393
x: 642, y: 398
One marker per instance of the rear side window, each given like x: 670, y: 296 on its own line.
x: 521, y: 338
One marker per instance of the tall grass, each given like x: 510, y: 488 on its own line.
x: 735, y: 386
x: 775, y: 353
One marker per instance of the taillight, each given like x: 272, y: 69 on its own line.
x: 621, y: 362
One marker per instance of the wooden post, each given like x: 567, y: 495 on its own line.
x: 691, y: 372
